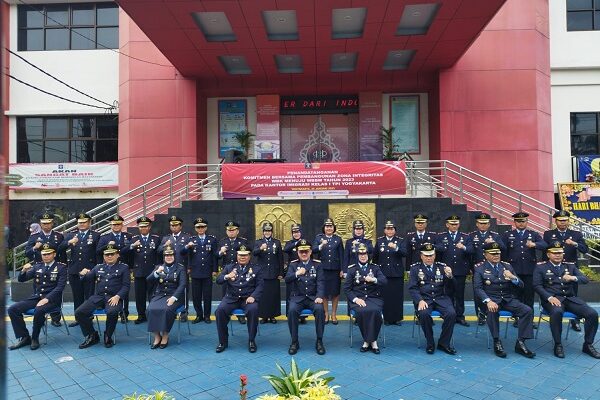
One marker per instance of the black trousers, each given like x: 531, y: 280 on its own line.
x: 15, y: 312
x: 448, y: 315
x: 223, y: 314
x: 81, y: 289
x: 518, y: 309
x: 581, y: 310
x: 84, y: 312
x: 458, y: 298
x: 526, y: 294
x: 202, y: 293
x: 295, y: 307
x: 143, y: 293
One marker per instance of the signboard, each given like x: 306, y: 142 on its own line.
x: 317, y: 179
x: 266, y: 143
x: 404, y: 116
x: 371, y: 148
x: 318, y: 104
x: 582, y: 200
x: 232, y: 119
x: 63, y: 176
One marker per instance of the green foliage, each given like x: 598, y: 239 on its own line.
x: 244, y: 139
x: 389, y: 147
x: 591, y: 273
x: 156, y: 395
x: 21, y: 259
x: 299, y: 384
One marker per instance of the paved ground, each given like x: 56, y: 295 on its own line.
x: 192, y: 369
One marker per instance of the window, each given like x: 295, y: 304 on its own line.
x: 67, y: 139
x: 583, y: 15
x: 80, y: 26
x: 585, y: 133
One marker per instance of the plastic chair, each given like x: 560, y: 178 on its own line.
x: 307, y: 312
x: 352, y: 321
x: 501, y: 314
x: 101, y: 312
x: 543, y: 315
x: 238, y: 312
x: 29, y: 314
x: 434, y: 314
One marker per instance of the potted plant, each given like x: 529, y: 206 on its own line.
x: 389, y: 147
x: 244, y: 139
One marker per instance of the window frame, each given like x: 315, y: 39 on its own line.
x: 573, y: 133
x: 595, y: 12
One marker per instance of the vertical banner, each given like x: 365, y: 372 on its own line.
x: 267, y: 142
x: 588, y: 168
x: 369, y: 113
x: 232, y: 119
x: 404, y: 116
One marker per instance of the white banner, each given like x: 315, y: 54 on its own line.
x: 63, y: 176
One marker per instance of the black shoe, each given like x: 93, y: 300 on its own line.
x: 430, y: 349
x: 242, y: 320
x: 462, y: 322
x: 575, y: 325
x: 56, y: 323
x: 25, y: 341
x: 252, y: 346
x: 155, y: 346
x: 90, y: 340
x: 35, y: 344
x: 375, y: 350
x: 302, y: 320
x: 163, y: 345
x: 387, y: 323
x: 183, y: 317
x: 264, y: 320
x: 589, y: 349
x: 516, y: 322
x: 293, y: 348
x: 196, y: 320
x: 399, y: 323
x: 364, y: 349
x: 559, y: 351
x: 221, y: 347
x: 73, y: 324
x: 140, y: 320
x: 447, y: 349
x: 534, y: 325
x: 334, y: 321
x: 273, y: 321
x: 207, y: 320
x: 320, y: 348
x: 499, y: 349
x: 522, y: 349
x: 108, y: 342
x: 481, y: 319
x: 327, y: 321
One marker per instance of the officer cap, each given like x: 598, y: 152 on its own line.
x: 453, y: 219
x: 427, y: 249
x: 143, y: 221
x: 47, y: 248
x: 175, y: 220
x: 390, y: 224
x: 296, y: 228
x: 243, y: 251
x: 329, y: 222
x: 303, y: 245
x: 421, y: 218
x: 492, y: 248
x: 483, y: 218
x: 362, y: 249
x: 555, y: 247
x: 358, y: 224
x: 562, y: 215
x: 116, y: 220
x: 232, y: 225
x: 200, y: 222
x: 520, y: 216
x: 110, y: 249
x: 168, y: 251
x: 267, y: 226
x: 46, y: 218
x: 83, y: 217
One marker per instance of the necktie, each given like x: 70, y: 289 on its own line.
x: 144, y: 239
x: 430, y: 269
x: 420, y: 236
x: 118, y: 237
x: 454, y: 237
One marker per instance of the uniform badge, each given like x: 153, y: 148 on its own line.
x: 421, y: 274
x: 488, y: 282
x: 161, y: 280
x: 37, y: 280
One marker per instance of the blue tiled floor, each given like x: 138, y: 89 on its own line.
x: 192, y: 369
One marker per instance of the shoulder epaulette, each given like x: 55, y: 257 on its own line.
x: 377, y: 265
x: 505, y: 263
x: 479, y: 264
x: 441, y: 263
x: 351, y: 265
x: 381, y: 237
x: 494, y: 232
x: 418, y: 262
x: 541, y: 262
x: 569, y: 262
x: 296, y: 260
x: 241, y: 237
x: 317, y: 261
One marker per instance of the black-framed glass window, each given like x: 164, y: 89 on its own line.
x: 67, y: 139
x: 80, y: 26
x: 585, y: 133
x: 583, y: 15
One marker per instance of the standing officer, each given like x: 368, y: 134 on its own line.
x: 572, y: 242
x: 112, y: 284
x: 244, y: 285
x: 554, y: 282
x: 351, y: 246
x: 494, y: 281
x: 414, y: 240
x: 479, y: 238
x: 144, y: 253
x: 119, y: 239
x: 50, y: 280
x: 429, y: 284
x: 455, y: 250
x: 203, y: 256
x: 268, y: 255
x: 83, y: 244
x: 388, y: 254
x: 307, y: 286
x: 330, y: 249
x: 521, y: 244
x: 362, y: 286
x: 291, y: 251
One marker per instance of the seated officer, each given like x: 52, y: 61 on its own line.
x: 307, y: 288
x: 363, y: 284
x: 495, y: 282
x: 112, y: 284
x: 428, y: 285
x: 243, y: 287
x: 554, y: 282
x: 50, y: 280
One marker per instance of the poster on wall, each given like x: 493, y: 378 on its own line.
x: 588, y: 168
x: 267, y: 143
x: 404, y: 116
x: 371, y: 148
x: 63, y: 176
x: 318, y: 138
x: 232, y: 119
x: 582, y: 200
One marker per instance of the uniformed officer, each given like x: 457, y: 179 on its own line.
x: 112, y: 284
x: 119, y: 239
x: 330, y: 250
x: 362, y: 285
x: 572, y: 242
x: 553, y: 281
x: 494, y: 283
x: 521, y: 245
x: 455, y: 250
x: 307, y: 286
x: 144, y: 253
x: 169, y: 281
x: 82, y: 244
x: 388, y: 254
x: 429, y: 284
x: 414, y: 240
x: 268, y: 255
x: 244, y: 286
x: 479, y: 238
x: 351, y: 245
x: 50, y: 280
x: 228, y: 247
x: 291, y: 252
x: 202, y: 251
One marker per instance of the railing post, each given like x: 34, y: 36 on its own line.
x: 491, y: 197
x: 171, y: 189
x: 550, y: 218
x: 445, y: 172
x: 460, y: 184
x: 14, y: 262
x: 144, y: 199
x: 187, y: 181
x: 520, y: 202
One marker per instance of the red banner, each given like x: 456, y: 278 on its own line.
x: 316, y: 179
